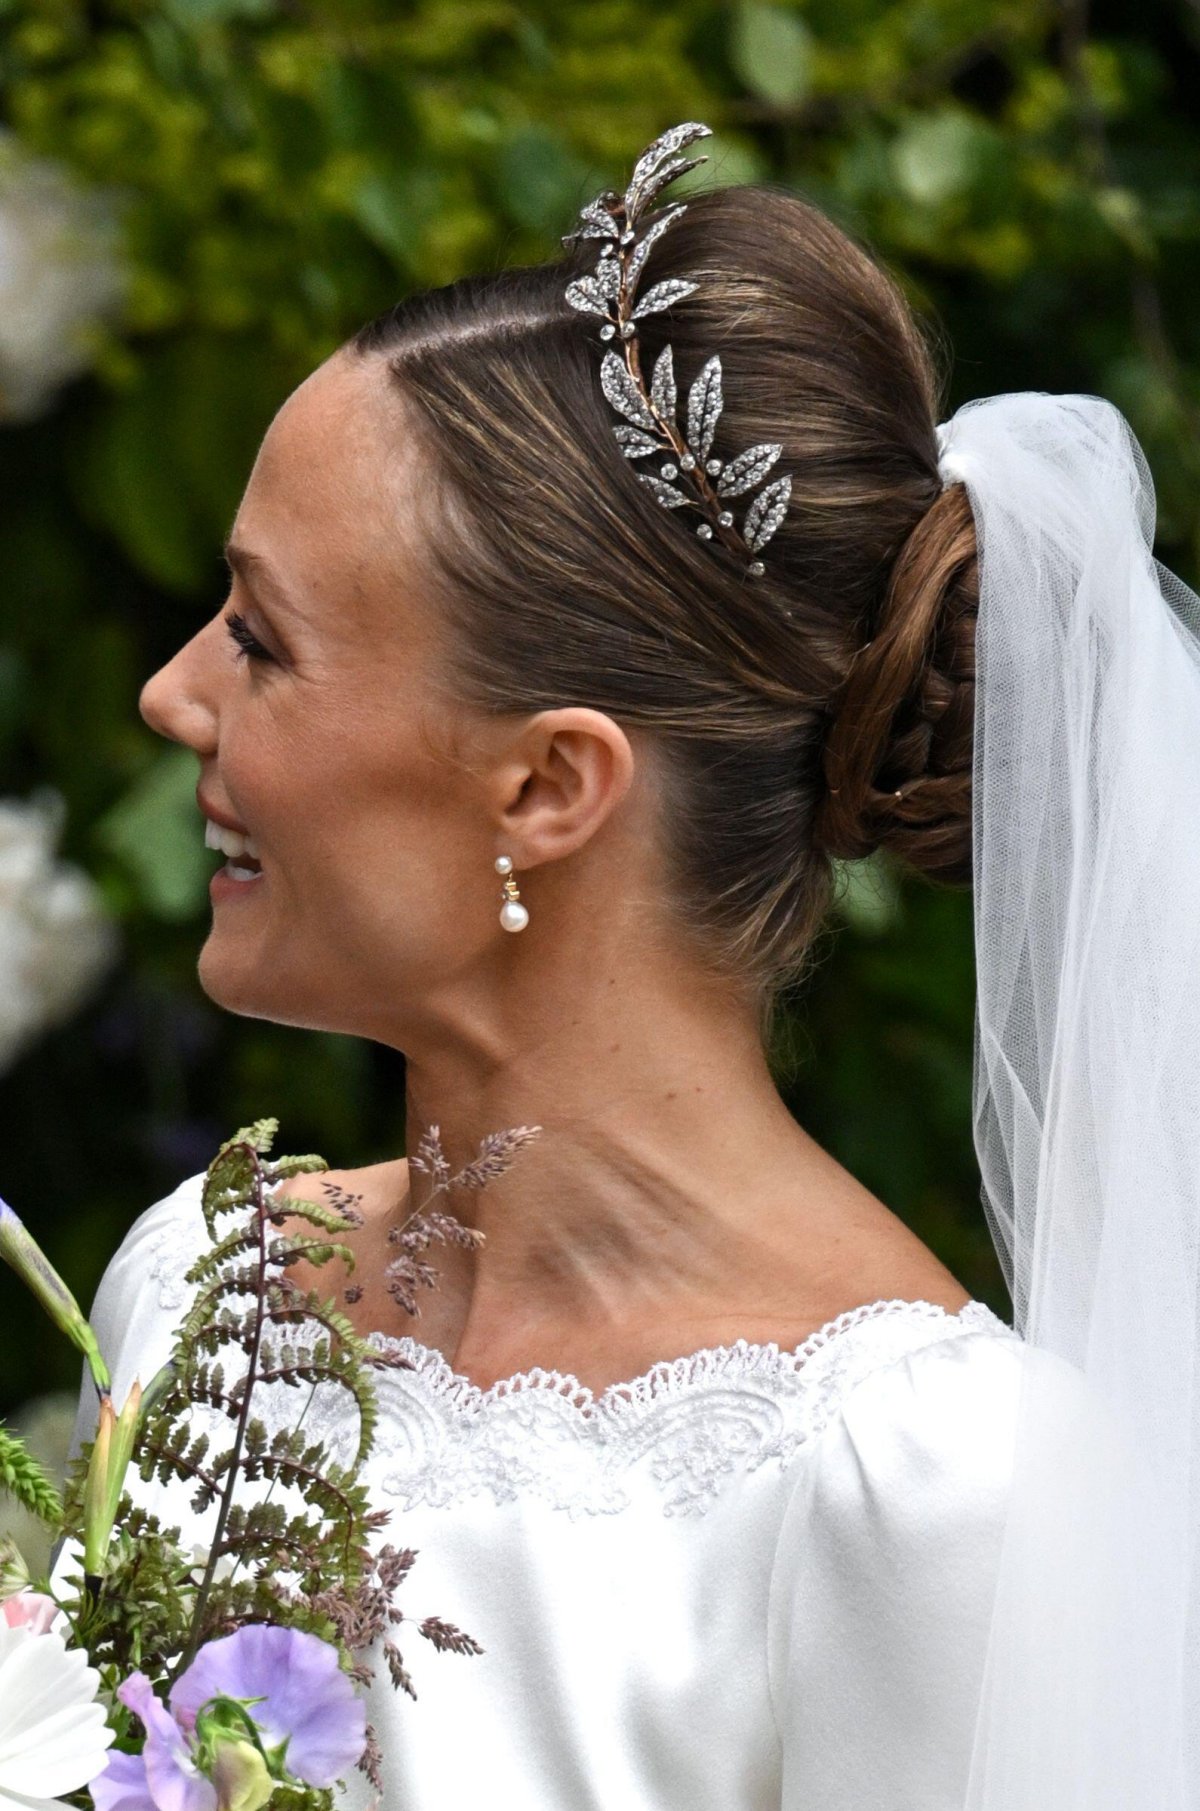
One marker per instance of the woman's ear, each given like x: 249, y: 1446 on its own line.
x: 559, y: 780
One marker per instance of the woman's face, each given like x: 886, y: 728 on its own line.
x: 316, y: 705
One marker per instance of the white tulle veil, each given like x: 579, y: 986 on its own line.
x: 1087, y: 1104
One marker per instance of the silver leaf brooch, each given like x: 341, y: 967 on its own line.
x: 689, y: 475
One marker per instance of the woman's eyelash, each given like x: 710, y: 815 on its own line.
x: 247, y: 642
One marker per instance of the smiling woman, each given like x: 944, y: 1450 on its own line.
x: 463, y: 640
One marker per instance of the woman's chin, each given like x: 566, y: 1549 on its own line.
x: 262, y: 986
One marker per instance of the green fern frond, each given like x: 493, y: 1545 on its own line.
x: 315, y: 1213
x: 313, y: 1251
x: 280, y: 1168
x: 242, y: 1241
x: 260, y: 1135
x: 318, y: 1534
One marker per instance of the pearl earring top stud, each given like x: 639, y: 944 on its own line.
x: 504, y: 864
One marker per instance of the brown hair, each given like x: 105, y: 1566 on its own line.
x: 849, y: 665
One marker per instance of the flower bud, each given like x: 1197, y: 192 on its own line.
x: 240, y: 1776
x: 95, y: 1493
x: 20, y: 1250
x: 111, y: 1453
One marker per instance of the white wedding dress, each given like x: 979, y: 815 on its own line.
x: 750, y: 1580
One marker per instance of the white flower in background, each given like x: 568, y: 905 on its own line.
x: 59, y: 273
x: 53, y: 1734
x: 55, y: 940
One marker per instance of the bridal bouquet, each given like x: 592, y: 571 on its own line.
x: 150, y: 1676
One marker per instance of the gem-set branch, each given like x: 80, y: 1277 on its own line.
x: 691, y: 475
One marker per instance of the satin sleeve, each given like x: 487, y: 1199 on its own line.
x: 884, y: 1578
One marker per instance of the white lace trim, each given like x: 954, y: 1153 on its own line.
x: 690, y: 1424
x: 687, y: 1424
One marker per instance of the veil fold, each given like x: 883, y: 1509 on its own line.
x: 1086, y: 1103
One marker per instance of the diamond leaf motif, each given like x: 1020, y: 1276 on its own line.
x: 596, y: 213
x: 641, y: 251
x: 662, y: 385
x: 664, y: 146
x: 766, y: 513
x: 705, y: 402
x: 596, y: 221
x: 663, y: 295
x: 678, y: 166
x: 667, y: 494
x: 634, y: 444
x: 748, y: 469
x: 586, y: 295
x: 622, y: 392
x: 608, y: 278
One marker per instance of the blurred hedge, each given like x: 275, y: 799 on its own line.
x: 271, y: 173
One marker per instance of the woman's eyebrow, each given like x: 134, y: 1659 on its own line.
x: 253, y: 569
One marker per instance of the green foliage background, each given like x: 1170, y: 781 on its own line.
x: 284, y: 171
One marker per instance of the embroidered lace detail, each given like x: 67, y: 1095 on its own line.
x: 682, y: 1430
x: 170, y: 1260
x: 688, y: 1425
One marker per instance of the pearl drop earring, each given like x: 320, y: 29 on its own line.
x: 513, y: 915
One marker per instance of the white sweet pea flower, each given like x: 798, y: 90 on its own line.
x: 59, y: 273
x: 225, y: 1567
x: 53, y: 1734
x: 55, y: 940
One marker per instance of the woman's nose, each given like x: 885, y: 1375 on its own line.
x: 179, y: 700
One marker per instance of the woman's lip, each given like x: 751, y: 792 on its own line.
x: 223, y: 818
x: 224, y: 886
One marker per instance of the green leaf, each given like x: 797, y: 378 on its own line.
x: 194, y: 15
x: 539, y: 183
x: 157, y: 835
x: 161, y: 465
x: 939, y: 156
x: 771, y: 52
x: 868, y: 895
x: 730, y: 160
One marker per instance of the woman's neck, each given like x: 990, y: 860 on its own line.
x: 669, y: 1183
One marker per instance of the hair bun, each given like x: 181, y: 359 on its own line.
x: 899, y: 753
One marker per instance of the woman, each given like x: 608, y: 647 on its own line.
x: 711, y: 1454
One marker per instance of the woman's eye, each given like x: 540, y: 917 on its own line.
x: 247, y: 642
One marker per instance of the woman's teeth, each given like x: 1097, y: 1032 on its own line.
x: 229, y: 842
x: 232, y: 844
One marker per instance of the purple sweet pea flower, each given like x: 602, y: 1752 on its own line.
x: 164, y: 1777
x: 307, y: 1700
x: 122, y: 1786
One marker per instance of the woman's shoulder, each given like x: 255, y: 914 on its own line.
x: 885, y: 1565
x: 936, y: 1392
x: 905, y: 1489
x: 900, y: 1390
x: 135, y: 1310
x: 149, y: 1266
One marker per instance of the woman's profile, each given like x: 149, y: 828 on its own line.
x: 710, y: 1453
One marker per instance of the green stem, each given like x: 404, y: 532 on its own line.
x: 239, y: 1437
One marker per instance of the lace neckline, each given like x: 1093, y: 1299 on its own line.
x: 669, y: 1377
x: 678, y: 1436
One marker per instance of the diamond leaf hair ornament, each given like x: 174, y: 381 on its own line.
x: 689, y: 476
